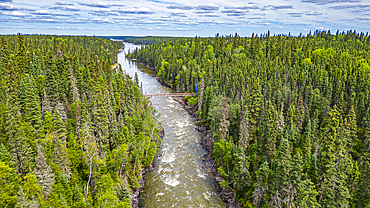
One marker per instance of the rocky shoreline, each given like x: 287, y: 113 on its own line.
x: 209, y: 163
x: 135, y: 197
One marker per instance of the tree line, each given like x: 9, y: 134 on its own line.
x: 74, y: 130
x: 289, y: 116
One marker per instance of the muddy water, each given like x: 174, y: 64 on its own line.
x: 179, y: 178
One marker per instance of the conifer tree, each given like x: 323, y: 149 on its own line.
x: 260, y: 192
x: 254, y: 105
x: 295, y: 181
x: 8, y: 184
x: 334, y: 164
x: 43, y: 173
x: 30, y: 103
x: 306, y: 197
x: 282, y: 170
x: 19, y: 146
x: 244, y: 135
x: 22, y: 66
x: 242, y: 178
x: 269, y: 133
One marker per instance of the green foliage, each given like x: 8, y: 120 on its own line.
x: 192, y: 101
x: 73, y: 132
x: 297, y: 107
x: 8, y: 184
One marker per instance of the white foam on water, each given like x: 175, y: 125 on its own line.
x: 207, y: 195
x: 168, y: 158
x: 179, y: 133
x: 180, y: 124
x: 202, y: 175
x: 171, y: 105
x: 159, y: 194
x: 172, y: 181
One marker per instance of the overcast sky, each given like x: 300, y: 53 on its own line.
x: 181, y: 17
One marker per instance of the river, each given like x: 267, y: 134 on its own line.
x: 179, y: 178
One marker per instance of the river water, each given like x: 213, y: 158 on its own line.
x: 179, y: 178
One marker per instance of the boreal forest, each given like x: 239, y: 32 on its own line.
x: 289, y: 116
x: 74, y: 130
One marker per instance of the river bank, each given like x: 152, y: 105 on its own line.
x: 135, y: 197
x: 227, y: 195
x: 180, y: 176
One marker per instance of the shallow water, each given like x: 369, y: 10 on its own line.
x: 178, y: 179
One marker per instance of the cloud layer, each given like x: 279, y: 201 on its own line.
x: 179, y: 18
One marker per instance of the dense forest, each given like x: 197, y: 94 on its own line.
x: 289, y: 116
x: 74, y: 130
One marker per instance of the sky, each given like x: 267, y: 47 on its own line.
x: 182, y: 17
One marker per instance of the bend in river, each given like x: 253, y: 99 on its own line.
x: 178, y: 179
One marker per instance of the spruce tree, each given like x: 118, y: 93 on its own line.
x: 307, y: 194
x: 242, y: 178
x: 43, y: 173
x: 260, y: 195
x: 9, y: 185
x: 334, y: 162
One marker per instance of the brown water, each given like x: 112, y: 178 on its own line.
x: 178, y: 179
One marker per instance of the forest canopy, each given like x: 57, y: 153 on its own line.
x: 289, y: 116
x: 74, y: 130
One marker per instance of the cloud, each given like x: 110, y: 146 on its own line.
x: 5, y: 1
x: 279, y: 6
x: 314, y: 13
x: 299, y: 24
x: 180, y: 7
x: 363, y: 19
x: 46, y: 12
x: 44, y: 20
x: 100, y: 4
x: 126, y: 18
x: 178, y: 14
x: 323, y: 2
x: 62, y: 3
x: 262, y: 23
x: 212, y: 15
x: 141, y: 10
x: 187, y: 22
x: 104, y: 12
x: 99, y: 20
x: 7, y: 7
x: 14, y: 13
x: 250, y: 6
x: 357, y: 7
x: 295, y: 14
x: 211, y: 7
x: 66, y: 8
x: 234, y: 12
x: 203, y: 12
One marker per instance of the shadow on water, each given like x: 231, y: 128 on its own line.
x: 178, y: 179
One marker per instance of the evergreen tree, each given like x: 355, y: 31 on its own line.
x: 307, y: 195
x: 8, y: 184
x: 242, y: 178
x: 334, y: 163
x: 283, y: 165
x: 43, y: 173
x: 260, y: 192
